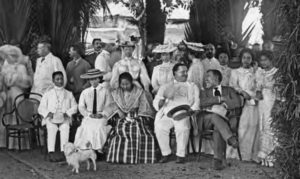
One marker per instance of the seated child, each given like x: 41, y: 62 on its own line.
x: 57, y: 107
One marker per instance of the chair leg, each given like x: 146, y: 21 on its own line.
x: 38, y: 137
x: 239, y: 153
x: 200, y: 146
x: 29, y: 134
x: 7, y: 139
x: 19, y: 140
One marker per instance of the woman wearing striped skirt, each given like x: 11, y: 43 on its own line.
x: 131, y: 140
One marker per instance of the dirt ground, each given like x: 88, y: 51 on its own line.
x: 31, y: 164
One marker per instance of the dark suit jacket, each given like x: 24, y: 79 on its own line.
x: 207, y: 98
x: 90, y: 58
x: 74, y: 71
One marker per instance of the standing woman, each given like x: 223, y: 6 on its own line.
x: 162, y: 73
x: 243, y: 80
x: 266, y: 94
x: 132, y: 140
x: 196, y: 71
x: 129, y: 64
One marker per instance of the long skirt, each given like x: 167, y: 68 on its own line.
x: 267, y: 139
x: 94, y: 131
x: 131, y: 142
x: 248, y: 134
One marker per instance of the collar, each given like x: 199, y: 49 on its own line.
x: 48, y: 56
x: 77, y: 60
x: 100, y: 85
x: 128, y: 58
x: 177, y: 82
x: 196, y: 60
x: 219, y: 87
x: 58, y: 88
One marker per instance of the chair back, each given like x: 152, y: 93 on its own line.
x: 26, y: 106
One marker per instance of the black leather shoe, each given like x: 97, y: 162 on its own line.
x: 164, y: 159
x: 51, y: 157
x: 218, y: 165
x: 180, y: 160
x: 232, y: 141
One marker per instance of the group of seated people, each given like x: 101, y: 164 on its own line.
x: 128, y: 116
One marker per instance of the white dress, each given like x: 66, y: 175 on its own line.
x: 93, y: 130
x: 196, y: 73
x: 162, y: 74
x: 135, y: 67
x: 266, y: 85
x: 244, y: 80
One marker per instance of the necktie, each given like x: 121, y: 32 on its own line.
x: 217, y: 92
x: 43, y: 59
x: 95, y: 102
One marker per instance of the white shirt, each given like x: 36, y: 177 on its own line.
x: 219, y: 88
x: 184, y: 93
x: 102, y: 63
x: 42, y: 80
x: 86, y: 100
x: 57, y: 100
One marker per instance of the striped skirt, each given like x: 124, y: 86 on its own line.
x: 131, y: 142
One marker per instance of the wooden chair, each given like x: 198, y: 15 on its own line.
x: 233, y: 114
x: 24, y: 110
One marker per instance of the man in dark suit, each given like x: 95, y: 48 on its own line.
x: 92, y: 55
x: 75, y: 68
x: 216, y: 101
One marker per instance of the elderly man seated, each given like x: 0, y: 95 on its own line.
x: 216, y: 100
x: 177, y: 93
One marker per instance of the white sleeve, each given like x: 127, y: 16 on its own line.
x: 159, y: 96
x: 82, y: 105
x: 101, y: 62
x: 154, y: 79
x: 73, y: 108
x: 43, y: 107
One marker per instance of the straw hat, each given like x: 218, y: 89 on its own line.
x: 92, y: 73
x: 127, y: 44
x: 198, y: 47
x: 180, y: 112
x: 166, y: 48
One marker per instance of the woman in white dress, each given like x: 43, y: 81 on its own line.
x: 266, y: 94
x: 16, y: 80
x: 243, y: 80
x: 94, y: 105
x: 162, y: 73
x: 129, y: 64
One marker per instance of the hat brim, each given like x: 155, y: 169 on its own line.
x: 180, y: 108
x: 87, y: 76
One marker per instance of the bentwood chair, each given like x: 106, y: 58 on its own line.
x: 234, y: 118
x: 25, y: 124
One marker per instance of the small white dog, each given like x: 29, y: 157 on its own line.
x: 75, y: 155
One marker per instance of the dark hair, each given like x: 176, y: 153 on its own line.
x: 222, y: 50
x: 176, y: 67
x: 195, y: 53
x: 78, y: 48
x: 96, y: 39
x: 57, y: 73
x: 246, y: 50
x: 216, y: 73
x: 267, y: 54
x: 126, y: 76
x: 46, y: 43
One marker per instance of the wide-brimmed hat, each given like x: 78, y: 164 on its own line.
x: 197, y: 47
x: 127, y: 44
x: 220, y: 110
x: 180, y: 112
x: 92, y: 73
x: 166, y: 48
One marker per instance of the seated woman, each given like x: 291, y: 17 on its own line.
x: 131, y: 140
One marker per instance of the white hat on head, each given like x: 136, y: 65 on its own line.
x: 198, y: 47
x: 166, y: 48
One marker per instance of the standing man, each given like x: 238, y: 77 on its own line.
x: 75, y: 68
x: 102, y: 63
x: 177, y: 93
x: 92, y: 55
x: 46, y: 65
x: 210, y: 62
